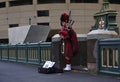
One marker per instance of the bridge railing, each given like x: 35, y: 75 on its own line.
x: 109, y: 56
x: 34, y: 53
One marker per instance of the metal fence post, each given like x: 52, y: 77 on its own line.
x: 16, y: 52
x: 0, y: 53
x: 39, y: 54
x: 8, y: 52
x: 26, y: 52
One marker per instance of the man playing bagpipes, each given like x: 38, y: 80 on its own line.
x: 69, y: 40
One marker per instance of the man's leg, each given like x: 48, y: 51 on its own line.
x: 68, y: 63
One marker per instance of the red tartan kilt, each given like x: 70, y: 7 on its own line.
x: 68, y: 49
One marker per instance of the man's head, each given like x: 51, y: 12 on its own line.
x: 64, y: 19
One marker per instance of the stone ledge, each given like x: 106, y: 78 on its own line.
x: 101, y: 33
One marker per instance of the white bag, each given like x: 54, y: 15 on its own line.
x: 48, y: 64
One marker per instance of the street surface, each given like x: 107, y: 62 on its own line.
x: 17, y: 72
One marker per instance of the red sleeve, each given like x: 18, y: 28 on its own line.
x: 64, y: 34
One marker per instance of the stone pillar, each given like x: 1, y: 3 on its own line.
x: 92, y: 48
x: 105, y: 27
x: 57, y: 57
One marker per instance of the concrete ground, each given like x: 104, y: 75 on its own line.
x: 17, y: 72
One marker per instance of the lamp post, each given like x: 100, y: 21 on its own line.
x: 29, y: 21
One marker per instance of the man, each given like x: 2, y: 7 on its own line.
x: 69, y: 38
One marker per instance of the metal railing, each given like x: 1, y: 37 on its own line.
x: 34, y: 53
x: 109, y: 56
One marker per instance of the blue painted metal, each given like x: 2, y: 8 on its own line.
x: 34, y: 53
x: 112, y: 47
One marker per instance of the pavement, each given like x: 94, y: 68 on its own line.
x: 18, y: 72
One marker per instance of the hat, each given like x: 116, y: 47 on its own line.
x: 64, y: 17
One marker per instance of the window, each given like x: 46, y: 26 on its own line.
x: 2, y: 4
x: 20, y: 2
x: 84, y: 1
x: 4, y: 41
x: 114, y: 1
x: 43, y: 24
x: 50, y: 1
x: 43, y: 13
x: 13, y: 25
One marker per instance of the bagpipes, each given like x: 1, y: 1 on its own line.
x: 70, y: 23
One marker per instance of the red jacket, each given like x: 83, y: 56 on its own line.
x: 70, y: 40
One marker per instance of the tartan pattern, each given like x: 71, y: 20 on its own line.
x: 70, y: 40
x: 74, y: 42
